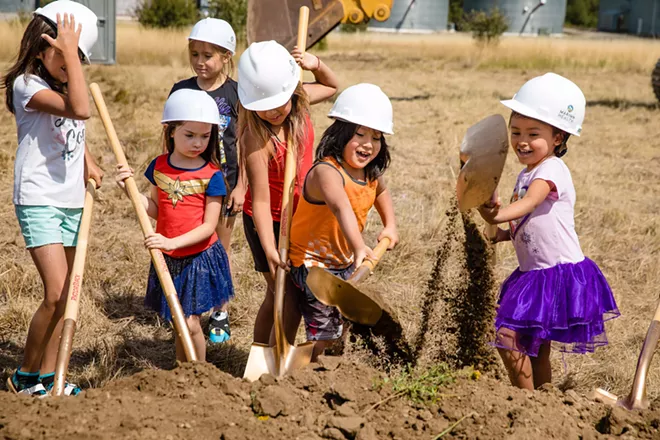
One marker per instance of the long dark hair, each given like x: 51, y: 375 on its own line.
x: 211, y: 152
x: 32, y: 44
x: 334, y: 141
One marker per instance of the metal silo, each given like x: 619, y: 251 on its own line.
x: 533, y: 17
x: 415, y: 16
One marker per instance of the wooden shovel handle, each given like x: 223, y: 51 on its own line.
x: 73, y: 294
x: 368, y: 265
x: 303, y: 22
x: 143, y: 218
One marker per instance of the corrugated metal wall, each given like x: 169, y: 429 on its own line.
x: 415, y: 15
x: 640, y: 17
x: 548, y: 19
x: 13, y: 6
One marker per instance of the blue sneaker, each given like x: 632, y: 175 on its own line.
x: 219, y: 331
x: 48, y: 381
x: 26, y: 383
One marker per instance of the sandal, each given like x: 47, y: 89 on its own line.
x: 48, y: 381
x: 219, y: 327
x: 26, y: 384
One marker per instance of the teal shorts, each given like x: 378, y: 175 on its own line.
x: 42, y: 225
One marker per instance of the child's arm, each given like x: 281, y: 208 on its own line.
x: 256, y: 169
x: 200, y: 233
x: 150, y: 203
x: 326, y: 184
x: 536, y: 194
x: 385, y: 209
x: 75, y: 104
x: 326, y: 84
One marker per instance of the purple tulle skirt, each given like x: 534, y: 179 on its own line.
x: 202, y: 281
x: 566, y: 304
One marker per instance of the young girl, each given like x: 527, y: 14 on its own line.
x: 274, y: 116
x: 340, y: 189
x: 211, y: 45
x: 46, y: 92
x: 186, y: 199
x: 556, y: 294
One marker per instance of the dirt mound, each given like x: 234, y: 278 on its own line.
x: 333, y: 399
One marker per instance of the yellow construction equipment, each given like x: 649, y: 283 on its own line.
x: 278, y: 19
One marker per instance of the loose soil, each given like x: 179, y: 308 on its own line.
x: 334, y: 399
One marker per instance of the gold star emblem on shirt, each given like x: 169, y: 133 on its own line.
x: 176, y: 190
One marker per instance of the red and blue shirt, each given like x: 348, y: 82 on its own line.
x: 182, y: 199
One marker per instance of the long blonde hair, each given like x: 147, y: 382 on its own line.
x: 295, y: 127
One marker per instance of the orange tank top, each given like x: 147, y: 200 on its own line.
x: 316, y: 237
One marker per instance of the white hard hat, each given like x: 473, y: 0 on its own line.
x: 214, y: 31
x: 364, y: 104
x: 552, y: 99
x: 191, y: 105
x: 267, y: 76
x: 83, y: 16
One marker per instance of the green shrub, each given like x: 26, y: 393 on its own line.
x: 351, y: 28
x: 582, y: 13
x: 487, y: 27
x: 167, y: 13
x: 233, y: 12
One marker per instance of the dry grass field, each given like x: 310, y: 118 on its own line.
x: 440, y: 85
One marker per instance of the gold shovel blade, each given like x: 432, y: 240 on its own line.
x: 483, y: 154
x: 263, y: 360
x: 354, y: 304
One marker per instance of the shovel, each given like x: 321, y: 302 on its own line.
x: 483, y: 154
x: 73, y: 294
x: 354, y: 304
x: 156, y: 255
x: 278, y: 360
x: 637, y: 397
x: 284, y: 357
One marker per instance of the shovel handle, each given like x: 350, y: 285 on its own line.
x: 73, y: 294
x: 143, y: 218
x: 368, y: 265
x: 303, y: 23
x: 491, y: 230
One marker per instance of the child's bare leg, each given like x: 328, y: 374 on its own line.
x: 224, y: 231
x: 264, y: 322
x: 291, y: 314
x: 320, y: 346
x: 517, y: 364
x: 197, y: 336
x: 541, y: 366
x: 53, y: 262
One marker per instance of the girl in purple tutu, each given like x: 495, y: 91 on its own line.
x: 556, y: 295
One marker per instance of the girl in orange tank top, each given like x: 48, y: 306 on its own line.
x: 340, y: 189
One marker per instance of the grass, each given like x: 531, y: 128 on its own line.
x: 440, y: 85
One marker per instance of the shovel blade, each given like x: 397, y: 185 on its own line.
x: 263, y: 359
x: 483, y: 154
x: 354, y: 304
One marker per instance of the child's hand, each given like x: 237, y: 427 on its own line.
x: 366, y: 253
x: 489, y: 211
x: 236, y: 199
x: 68, y: 36
x: 390, y: 233
x: 502, y: 235
x: 274, y: 262
x: 122, y: 173
x: 307, y: 61
x: 157, y: 241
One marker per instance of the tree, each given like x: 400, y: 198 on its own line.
x: 233, y: 12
